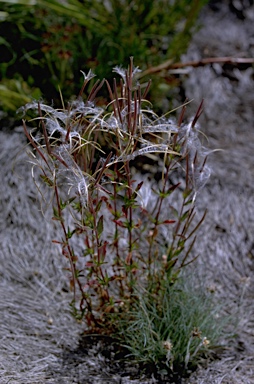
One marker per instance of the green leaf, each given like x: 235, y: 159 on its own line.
x: 56, y: 214
x: 88, y: 251
x: 100, y: 226
x: 188, y: 202
x: 70, y: 200
x: 134, y: 195
x: 184, y: 216
x: 172, y: 188
x: 47, y: 180
x: 98, y: 206
x: 70, y: 233
x: 177, y: 252
x: 20, y: 2
x: 62, y: 204
x: 171, y: 263
x: 186, y: 193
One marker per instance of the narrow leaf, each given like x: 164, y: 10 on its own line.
x: 100, y: 226
x: 167, y: 222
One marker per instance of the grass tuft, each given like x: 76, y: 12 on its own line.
x: 174, y: 331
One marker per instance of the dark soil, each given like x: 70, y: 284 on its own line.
x: 119, y: 366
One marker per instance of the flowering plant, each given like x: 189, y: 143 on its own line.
x: 121, y: 231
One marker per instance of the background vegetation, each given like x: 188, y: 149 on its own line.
x: 45, y: 43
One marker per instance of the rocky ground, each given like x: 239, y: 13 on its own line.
x: 39, y: 338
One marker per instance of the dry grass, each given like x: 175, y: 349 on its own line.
x: 36, y: 330
x: 35, y: 323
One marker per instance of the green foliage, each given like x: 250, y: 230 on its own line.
x: 51, y: 41
x: 174, y: 329
x: 133, y: 236
x: 16, y: 92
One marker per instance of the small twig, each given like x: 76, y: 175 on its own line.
x: 212, y: 60
x: 167, y: 65
x: 159, y: 68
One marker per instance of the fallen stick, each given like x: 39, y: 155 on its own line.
x: 167, y: 65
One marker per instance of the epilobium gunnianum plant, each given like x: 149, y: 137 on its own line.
x: 122, y: 234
